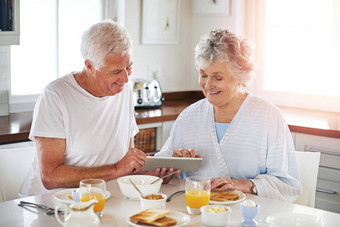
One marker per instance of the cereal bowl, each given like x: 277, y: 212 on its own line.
x: 157, y: 200
x: 215, y: 215
x: 143, y: 182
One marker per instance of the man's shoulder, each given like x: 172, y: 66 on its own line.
x: 59, y: 83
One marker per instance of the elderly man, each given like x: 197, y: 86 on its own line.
x: 83, y: 123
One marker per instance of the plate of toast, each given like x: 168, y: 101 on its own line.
x: 226, y: 197
x: 158, y: 217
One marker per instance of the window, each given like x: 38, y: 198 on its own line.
x: 298, y: 52
x: 49, y: 43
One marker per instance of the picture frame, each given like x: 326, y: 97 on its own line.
x: 160, y: 21
x: 213, y: 7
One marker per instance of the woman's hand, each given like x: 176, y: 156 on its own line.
x: 185, y: 153
x: 225, y: 183
x: 222, y: 183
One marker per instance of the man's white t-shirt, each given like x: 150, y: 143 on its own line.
x: 97, y: 130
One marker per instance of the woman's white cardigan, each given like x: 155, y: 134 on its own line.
x: 257, y: 145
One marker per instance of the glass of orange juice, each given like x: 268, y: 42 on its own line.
x: 93, y: 189
x: 197, y: 193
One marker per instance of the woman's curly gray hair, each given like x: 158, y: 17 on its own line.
x: 104, y: 38
x: 223, y: 46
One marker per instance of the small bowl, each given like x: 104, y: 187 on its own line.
x: 153, y: 203
x: 143, y: 182
x: 211, y: 218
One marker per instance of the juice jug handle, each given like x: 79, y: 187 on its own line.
x: 57, y: 208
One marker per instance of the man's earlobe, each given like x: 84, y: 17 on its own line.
x: 88, y: 65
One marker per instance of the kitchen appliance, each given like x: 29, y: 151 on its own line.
x: 147, y: 94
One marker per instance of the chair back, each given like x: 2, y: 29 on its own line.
x: 308, y: 164
x: 14, y: 165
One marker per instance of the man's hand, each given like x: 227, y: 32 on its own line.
x: 132, y: 162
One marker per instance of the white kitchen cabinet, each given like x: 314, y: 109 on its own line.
x: 322, y: 142
x: 12, y: 37
x: 15, y: 161
x: 328, y: 184
x: 166, y: 128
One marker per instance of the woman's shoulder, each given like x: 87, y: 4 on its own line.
x: 195, y: 111
x: 260, y: 103
x: 263, y: 107
x: 200, y: 105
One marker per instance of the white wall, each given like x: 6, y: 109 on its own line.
x: 176, y: 61
x: 177, y: 71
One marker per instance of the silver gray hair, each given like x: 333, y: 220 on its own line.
x: 104, y: 38
x: 223, y: 46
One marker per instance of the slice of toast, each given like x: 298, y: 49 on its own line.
x: 224, y: 196
x: 164, y: 221
x: 149, y: 215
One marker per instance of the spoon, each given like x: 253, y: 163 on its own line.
x: 164, y: 177
x: 133, y: 184
x: 178, y: 192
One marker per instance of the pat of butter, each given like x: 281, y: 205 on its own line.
x: 216, y: 209
x: 249, y: 203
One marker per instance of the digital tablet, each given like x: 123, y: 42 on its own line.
x: 184, y: 164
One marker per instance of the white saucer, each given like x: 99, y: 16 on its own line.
x: 62, y: 197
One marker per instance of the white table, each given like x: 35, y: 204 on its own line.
x: 118, y: 208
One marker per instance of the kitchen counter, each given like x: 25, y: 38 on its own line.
x: 16, y: 126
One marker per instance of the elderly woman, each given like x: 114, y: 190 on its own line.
x: 83, y: 123
x: 243, y: 140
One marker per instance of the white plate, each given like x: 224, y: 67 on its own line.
x: 182, y: 219
x: 61, y: 196
x: 243, y: 196
x: 294, y: 219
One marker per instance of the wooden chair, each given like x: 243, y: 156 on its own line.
x: 308, y: 163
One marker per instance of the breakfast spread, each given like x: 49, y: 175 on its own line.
x: 224, y: 196
x: 155, y: 217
